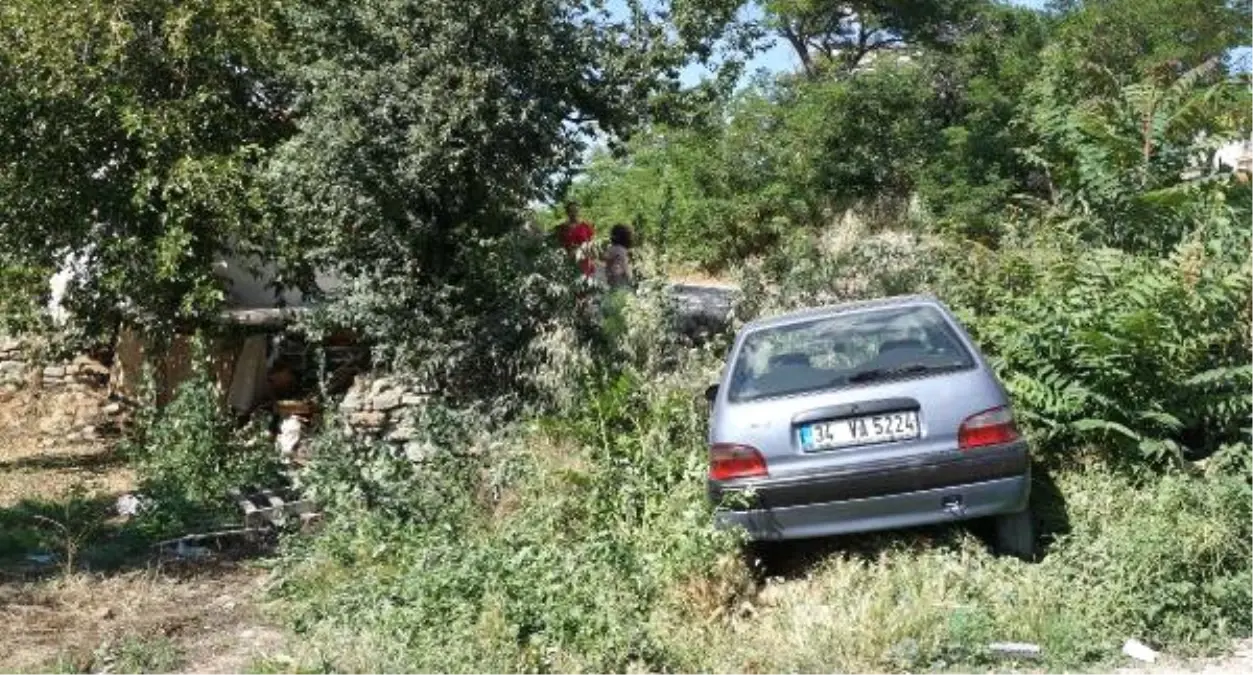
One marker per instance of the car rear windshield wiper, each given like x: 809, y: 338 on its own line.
x: 906, y: 369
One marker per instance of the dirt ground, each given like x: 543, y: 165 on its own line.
x: 1239, y: 661
x: 145, y: 616
x: 203, y: 621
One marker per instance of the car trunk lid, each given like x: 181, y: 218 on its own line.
x: 785, y: 429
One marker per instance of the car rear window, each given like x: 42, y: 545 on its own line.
x: 845, y: 349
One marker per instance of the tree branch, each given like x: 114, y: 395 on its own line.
x: 801, y: 47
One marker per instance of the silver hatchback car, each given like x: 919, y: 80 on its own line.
x: 865, y: 416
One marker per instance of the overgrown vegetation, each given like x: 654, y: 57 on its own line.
x: 188, y: 455
x: 20, y: 290
x: 556, y: 554
x: 1050, y: 175
x: 1109, y: 285
x: 582, y: 542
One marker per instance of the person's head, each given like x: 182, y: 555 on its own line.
x: 572, y: 210
x: 620, y: 235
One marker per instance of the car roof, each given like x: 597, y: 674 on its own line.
x: 825, y: 311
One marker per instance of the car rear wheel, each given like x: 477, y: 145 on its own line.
x: 1016, y: 534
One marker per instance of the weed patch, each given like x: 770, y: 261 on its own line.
x: 605, y: 523
x: 189, y: 454
x: 585, y: 544
x: 1167, y: 562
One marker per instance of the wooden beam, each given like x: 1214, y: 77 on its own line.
x: 271, y: 317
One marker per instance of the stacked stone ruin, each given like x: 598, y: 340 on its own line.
x: 377, y: 407
x: 74, y: 392
x: 384, y: 408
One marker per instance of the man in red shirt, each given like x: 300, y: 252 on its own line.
x: 574, y: 234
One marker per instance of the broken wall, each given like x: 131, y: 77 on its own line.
x: 71, y: 395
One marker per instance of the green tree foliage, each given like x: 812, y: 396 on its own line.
x: 395, y: 143
x: 972, y: 168
x: 838, y: 35
x: 1115, y: 42
x: 22, y: 290
x: 791, y: 156
x: 134, y: 128
x: 1116, y: 164
x: 791, y: 153
x: 424, y: 130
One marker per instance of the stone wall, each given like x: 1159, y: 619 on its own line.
x: 375, y: 406
x: 384, y: 408
x: 14, y: 367
x: 69, y: 400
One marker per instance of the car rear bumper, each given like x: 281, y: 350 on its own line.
x: 987, y: 482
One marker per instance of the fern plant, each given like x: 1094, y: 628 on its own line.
x: 1146, y: 357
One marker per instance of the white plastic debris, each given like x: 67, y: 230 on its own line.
x: 1018, y: 650
x: 128, y: 505
x: 40, y: 558
x: 1139, y: 651
x: 289, y: 433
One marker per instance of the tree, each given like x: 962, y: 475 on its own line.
x: 830, y: 33
x: 1121, y: 166
x: 974, y: 168
x: 1124, y: 41
x: 425, y: 129
x: 383, y: 140
x: 132, y: 129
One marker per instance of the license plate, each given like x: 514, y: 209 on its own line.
x: 897, y: 426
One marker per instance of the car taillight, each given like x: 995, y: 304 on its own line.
x: 990, y: 427
x: 730, y: 460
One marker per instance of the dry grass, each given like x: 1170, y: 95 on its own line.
x: 933, y: 599
x: 697, y: 277
x: 210, y: 619
x: 54, y: 474
x: 36, y: 463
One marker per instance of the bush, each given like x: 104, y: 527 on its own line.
x: 1146, y: 358
x: 425, y: 481
x: 189, y: 454
x: 21, y: 291
x: 472, y: 336
x: 555, y: 551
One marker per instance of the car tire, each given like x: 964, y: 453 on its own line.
x: 1016, y: 535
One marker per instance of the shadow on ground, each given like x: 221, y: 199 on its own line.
x: 796, y: 559
x: 41, y: 538
x: 87, y: 461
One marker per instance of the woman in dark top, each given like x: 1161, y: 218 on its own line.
x: 617, y: 258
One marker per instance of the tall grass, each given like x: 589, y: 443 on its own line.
x: 573, y: 539
x: 1166, y: 563
x: 580, y: 539
x: 584, y: 543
